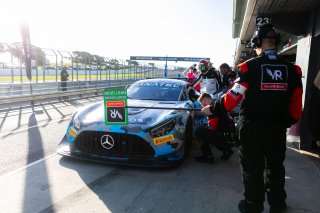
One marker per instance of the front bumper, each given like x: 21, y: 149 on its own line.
x: 167, y: 160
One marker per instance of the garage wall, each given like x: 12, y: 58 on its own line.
x: 308, y: 52
x: 317, y: 22
x: 302, y: 57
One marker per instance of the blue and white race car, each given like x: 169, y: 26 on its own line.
x: 153, y: 137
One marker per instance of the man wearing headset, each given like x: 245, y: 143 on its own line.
x: 270, y: 91
x: 209, y: 79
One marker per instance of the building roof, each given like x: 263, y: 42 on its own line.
x: 290, y: 18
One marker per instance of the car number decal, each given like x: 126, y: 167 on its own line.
x: 164, y: 139
x: 72, y: 132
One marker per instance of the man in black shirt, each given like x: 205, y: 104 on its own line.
x: 270, y: 91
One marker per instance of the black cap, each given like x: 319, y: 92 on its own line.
x: 266, y: 31
x: 262, y: 32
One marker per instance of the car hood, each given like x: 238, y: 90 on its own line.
x: 136, y: 116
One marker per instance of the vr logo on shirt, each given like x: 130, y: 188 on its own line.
x: 274, y: 77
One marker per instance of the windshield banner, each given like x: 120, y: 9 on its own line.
x: 115, y: 102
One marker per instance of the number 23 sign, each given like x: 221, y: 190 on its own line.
x: 262, y: 20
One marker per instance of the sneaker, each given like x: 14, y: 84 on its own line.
x: 278, y: 208
x: 205, y: 159
x: 226, y: 155
x: 245, y: 207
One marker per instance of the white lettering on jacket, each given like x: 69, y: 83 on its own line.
x: 238, y: 88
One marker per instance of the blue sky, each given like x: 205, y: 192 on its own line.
x: 124, y: 28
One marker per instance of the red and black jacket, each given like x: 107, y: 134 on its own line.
x: 269, y: 87
x: 228, y: 78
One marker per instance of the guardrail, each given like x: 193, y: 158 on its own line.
x: 36, y: 91
x: 51, y: 95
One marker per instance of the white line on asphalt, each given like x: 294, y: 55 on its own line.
x: 21, y: 130
x: 27, y: 166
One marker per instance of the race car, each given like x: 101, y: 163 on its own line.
x: 158, y: 133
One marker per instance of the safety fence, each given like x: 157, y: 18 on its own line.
x: 82, y: 66
x: 91, y: 80
x: 15, y: 75
x: 87, y: 72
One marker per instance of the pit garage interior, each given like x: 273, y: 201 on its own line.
x: 298, y: 23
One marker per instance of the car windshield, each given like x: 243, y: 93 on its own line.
x: 154, y: 91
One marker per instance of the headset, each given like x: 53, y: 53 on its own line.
x: 255, y: 42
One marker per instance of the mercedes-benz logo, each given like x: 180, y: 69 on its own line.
x: 107, y: 141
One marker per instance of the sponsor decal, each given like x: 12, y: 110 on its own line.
x: 274, y: 77
x: 72, y: 132
x: 151, y: 84
x: 115, y: 104
x: 238, y: 88
x: 162, y: 140
x: 136, y: 120
x: 274, y: 86
x: 233, y: 94
x: 116, y: 114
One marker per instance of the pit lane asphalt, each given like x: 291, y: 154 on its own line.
x: 42, y: 181
x: 31, y: 132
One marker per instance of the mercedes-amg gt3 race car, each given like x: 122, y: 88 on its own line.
x: 153, y: 137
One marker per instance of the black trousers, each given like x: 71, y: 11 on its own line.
x: 262, y: 152
x: 207, y: 136
x: 63, y: 86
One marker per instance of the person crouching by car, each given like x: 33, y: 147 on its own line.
x: 208, y: 134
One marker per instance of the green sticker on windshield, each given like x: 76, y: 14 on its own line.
x: 115, y: 111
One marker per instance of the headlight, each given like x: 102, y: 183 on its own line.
x: 163, y: 128
x: 76, y: 123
